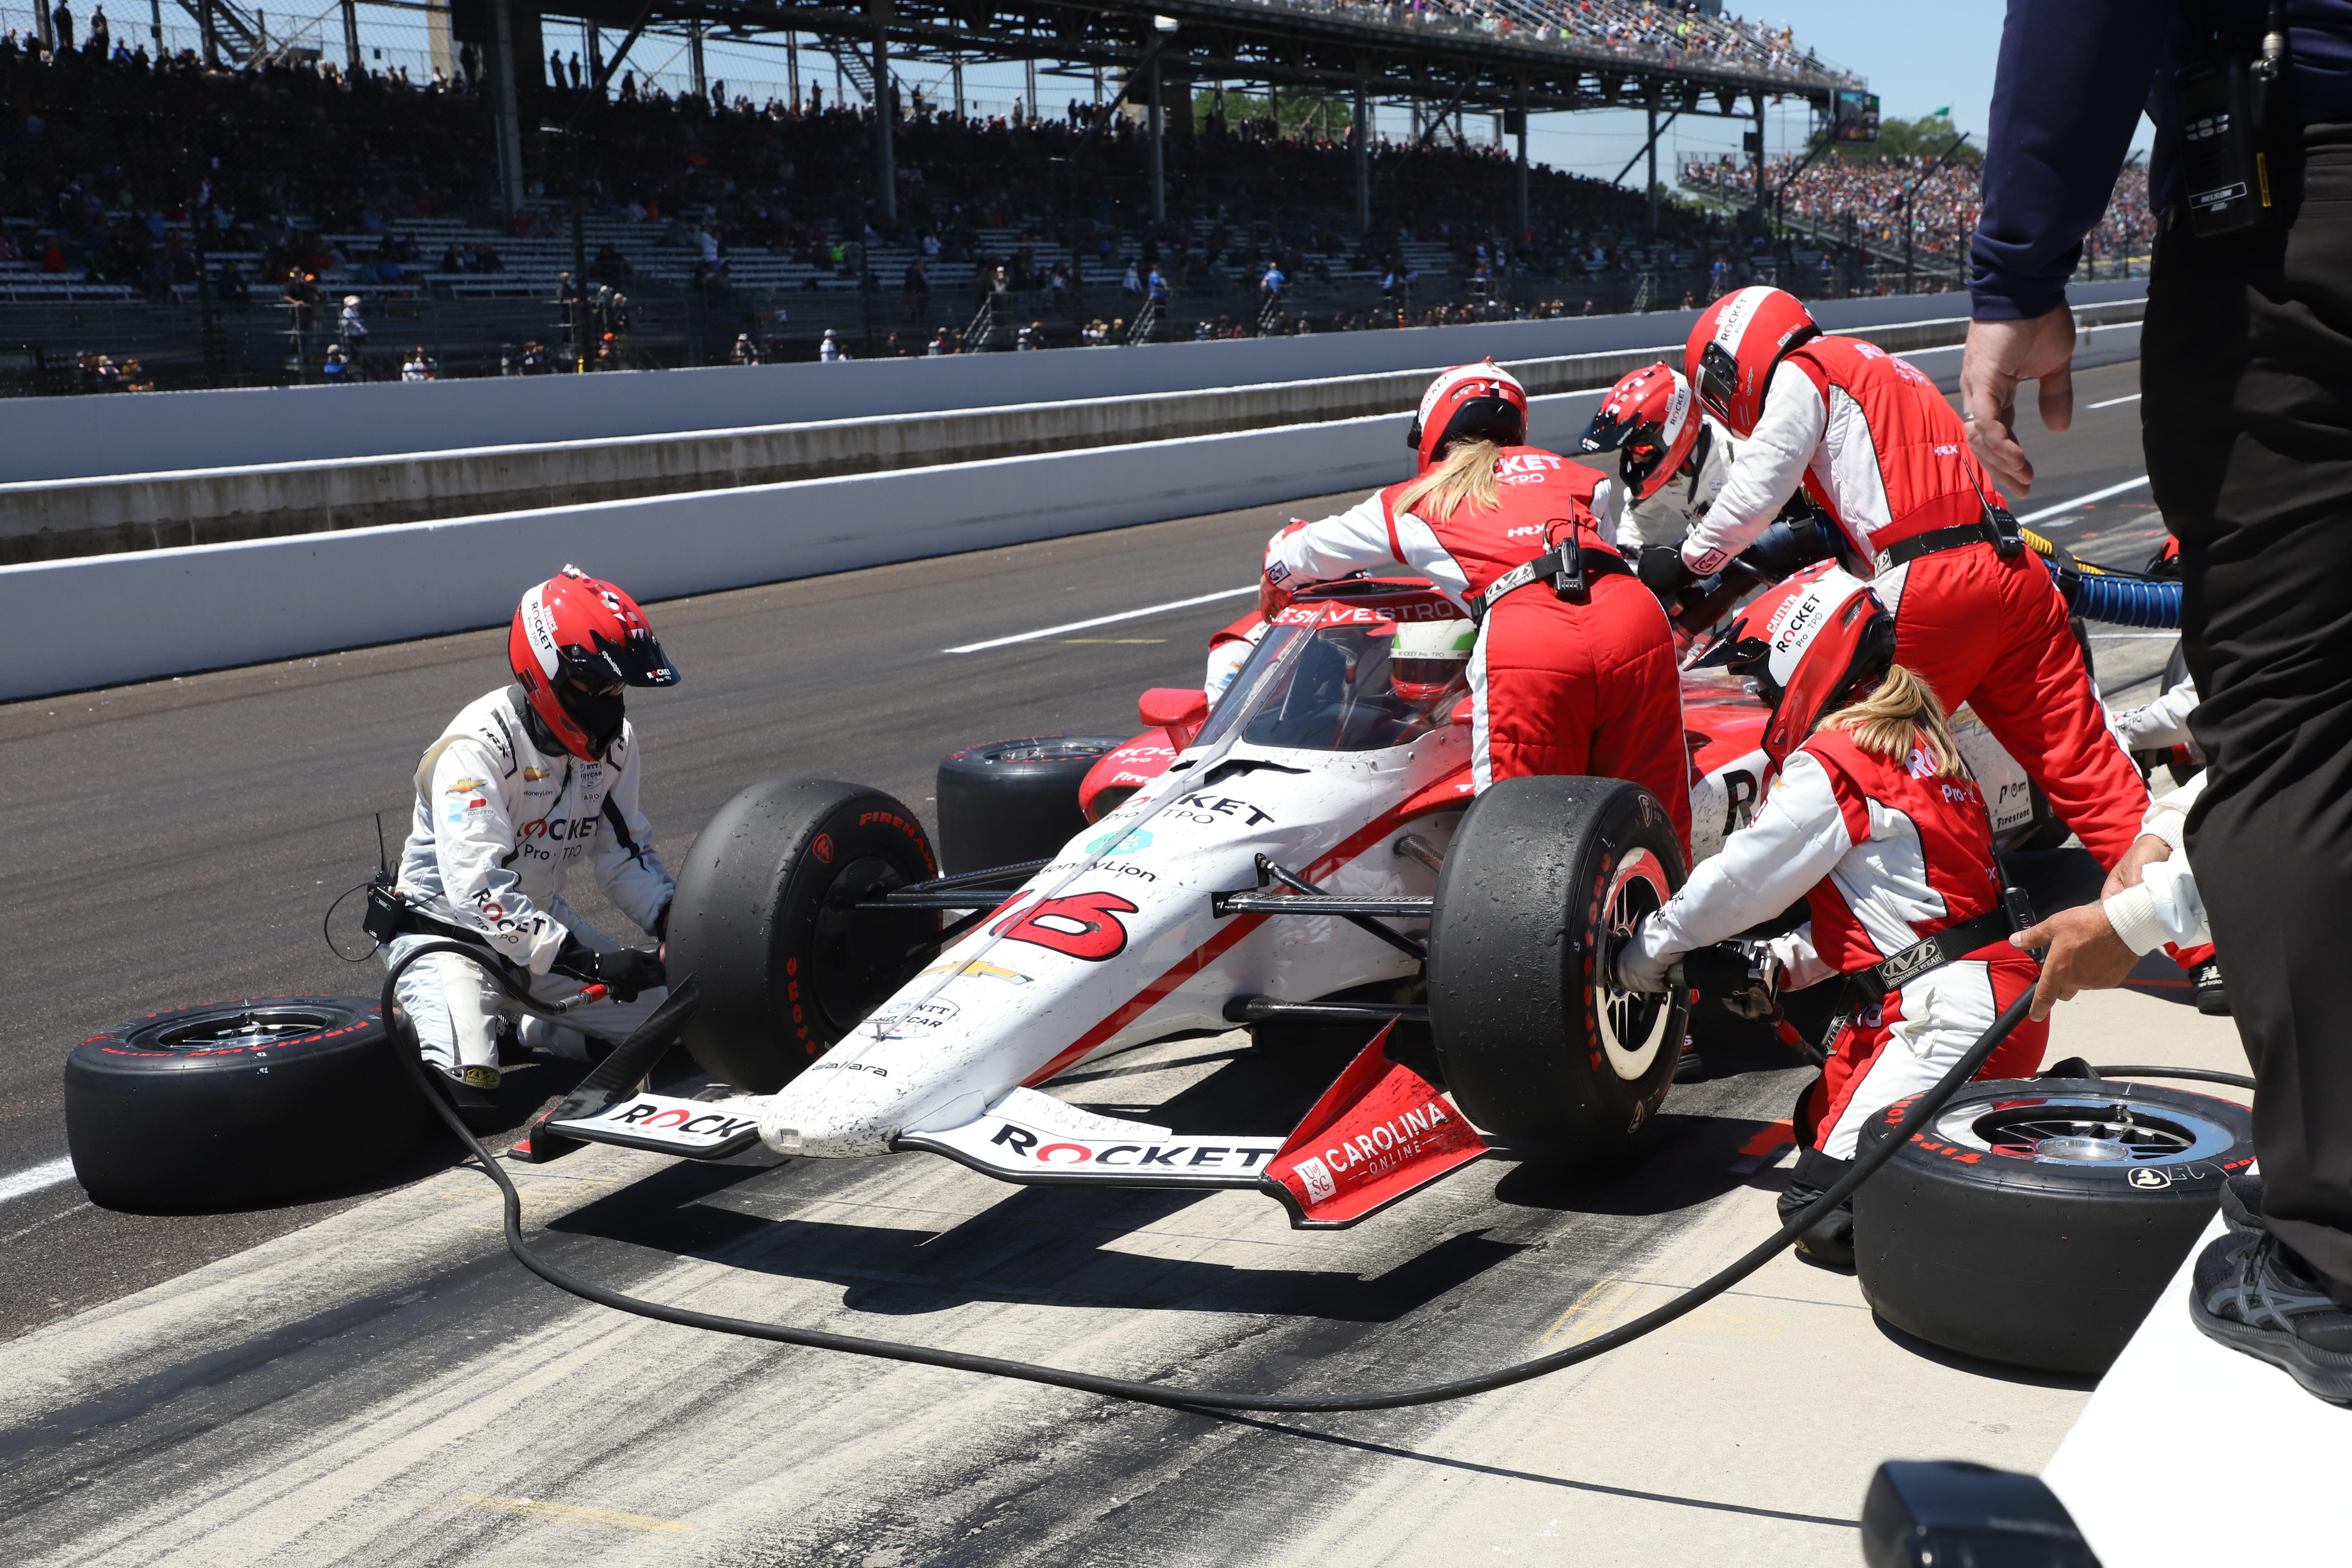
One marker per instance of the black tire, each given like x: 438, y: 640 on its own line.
x: 763, y: 919
x: 2043, y: 1262
x: 1010, y: 801
x: 1535, y: 1049
x: 239, y: 1103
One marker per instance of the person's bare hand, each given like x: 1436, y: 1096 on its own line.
x: 1999, y: 355
x: 2085, y: 955
x: 1270, y: 600
x: 2146, y: 851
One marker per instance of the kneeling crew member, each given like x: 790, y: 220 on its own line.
x: 524, y: 782
x: 1870, y: 815
x: 1877, y: 445
x: 1573, y: 671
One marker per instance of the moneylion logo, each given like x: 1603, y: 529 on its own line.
x: 1117, y: 842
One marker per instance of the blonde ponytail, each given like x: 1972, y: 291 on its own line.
x: 1467, y: 473
x: 1901, y: 715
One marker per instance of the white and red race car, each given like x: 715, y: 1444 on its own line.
x: 1307, y: 849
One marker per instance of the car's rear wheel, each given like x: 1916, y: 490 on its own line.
x: 1538, y: 1048
x: 2035, y: 1222
x: 765, y: 918
x: 1010, y: 801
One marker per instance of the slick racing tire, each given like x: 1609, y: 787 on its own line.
x: 763, y: 918
x: 2035, y: 1222
x: 1010, y: 801
x: 239, y: 1103
x: 1535, y: 1046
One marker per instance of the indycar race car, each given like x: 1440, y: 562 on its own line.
x: 1307, y: 849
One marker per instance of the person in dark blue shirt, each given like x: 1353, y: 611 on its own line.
x: 2246, y: 410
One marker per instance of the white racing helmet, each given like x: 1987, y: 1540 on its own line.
x: 1428, y: 657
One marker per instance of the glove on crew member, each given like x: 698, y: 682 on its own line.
x: 524, y: 782
x: 1878, y: 448
x: 1556, y: 687
x: 1870, y: 815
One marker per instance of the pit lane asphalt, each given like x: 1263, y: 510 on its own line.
x: 177, y: 841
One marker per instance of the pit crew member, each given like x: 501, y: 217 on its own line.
x: 1870, y: 815
x: 523, y: 782
x: 1583, y: 683
x: 1879, y: 448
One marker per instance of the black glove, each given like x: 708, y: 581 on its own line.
x: 624, y: 972
x: 1662, y: 571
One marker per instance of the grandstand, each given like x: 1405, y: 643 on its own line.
x: 156, y: 210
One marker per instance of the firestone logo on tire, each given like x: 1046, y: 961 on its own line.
x: 823, y: 848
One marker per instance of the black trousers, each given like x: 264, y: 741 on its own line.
x: 2246, y: 383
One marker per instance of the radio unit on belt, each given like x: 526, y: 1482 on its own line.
x: 2230, y: 106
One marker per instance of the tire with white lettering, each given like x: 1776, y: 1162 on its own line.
x: 1536, y: 1048
x: 2035, y: 1222
x: 239, y: 1103
x: 1010, y: 801
x: 764, y: 918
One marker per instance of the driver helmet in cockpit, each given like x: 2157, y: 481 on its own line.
x: 1429, y: 657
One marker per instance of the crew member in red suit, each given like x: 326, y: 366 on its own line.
x: 1580, y: 682
x: 1870, y: 815
x: 1878, y: 448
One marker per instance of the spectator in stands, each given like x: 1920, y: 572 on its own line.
x: 915, y: 295
x: 61, y: 20
x: 354, y: 330
x: 829, y: 350
x: 746, y: 350
x: 99, y: 32
x: 338, y: 368
x: 419, y: 366
x: 1133, y: 284
x: 939, y: 345
x: 1273, y: 283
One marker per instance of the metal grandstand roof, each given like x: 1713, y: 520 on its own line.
x: 1520, y: 55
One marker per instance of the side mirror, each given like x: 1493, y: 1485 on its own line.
x: 1172, y: 708
x: 1463, y: 714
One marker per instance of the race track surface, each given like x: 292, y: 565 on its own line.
x: 387, y: 1387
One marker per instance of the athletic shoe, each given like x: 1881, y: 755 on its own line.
x: 2254, y: 1295
x: 2241, y: 1201
x: 1829, y: 1241
x: 1690, y: 1066
x: 474, y: 1095
x: 2212, y: 997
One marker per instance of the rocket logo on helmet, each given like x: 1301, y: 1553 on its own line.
x: 1823, y: 640
x: 576, y: 643
x: 1481, y: 402
x: 1735, y: 346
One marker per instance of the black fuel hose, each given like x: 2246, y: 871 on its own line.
x: 1698, y: 1295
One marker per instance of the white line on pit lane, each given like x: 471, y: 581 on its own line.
x: 2111, y: 402
x: 2083, y: 500
x: 40, y: 1178
x: 1104, y: 620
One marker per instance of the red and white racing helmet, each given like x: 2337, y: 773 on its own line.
x: 1481, y: 400
x: 1735, y: 347
x: 576, y: 645
x: 1811, y: 645
x: 1650, y: 419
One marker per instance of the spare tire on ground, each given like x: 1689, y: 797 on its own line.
x: 764, y: 918
x: 239, y: 1103
x: 1536, y: 1048
x: 1010, y: 801
x: 2035, y: 1222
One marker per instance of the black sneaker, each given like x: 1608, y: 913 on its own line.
x: 2254, y: 1295
x: 474, y: 1095
x: 2212, y: 997
x: 1829, y: 1241
x: 1690, y: 1066
x: 2241, y: 1201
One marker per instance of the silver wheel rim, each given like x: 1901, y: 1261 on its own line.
x: 2085, y: 1130
x: 1632, y: 1024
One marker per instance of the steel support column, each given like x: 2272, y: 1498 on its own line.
x: 1759, y: 158
x: 1650, y: 191
x: 505, y: 114
x: 885, y: 152
x: 1158, y: 152
x: 1363, y: 163
x: 1526, y: 219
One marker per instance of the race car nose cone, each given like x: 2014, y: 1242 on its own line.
x: 2080, y: 1150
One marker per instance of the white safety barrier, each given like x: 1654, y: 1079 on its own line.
x: 104, y: 620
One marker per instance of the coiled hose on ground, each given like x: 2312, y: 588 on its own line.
x: 400, y: 1039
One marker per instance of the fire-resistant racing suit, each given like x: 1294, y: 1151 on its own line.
x: 1885, y: 855
x: 1878, y: 448
x: 1556, y: 687
x: 500, y: 818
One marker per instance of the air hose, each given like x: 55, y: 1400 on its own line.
x: 1864, y: 1166
x: 2123, y: 601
